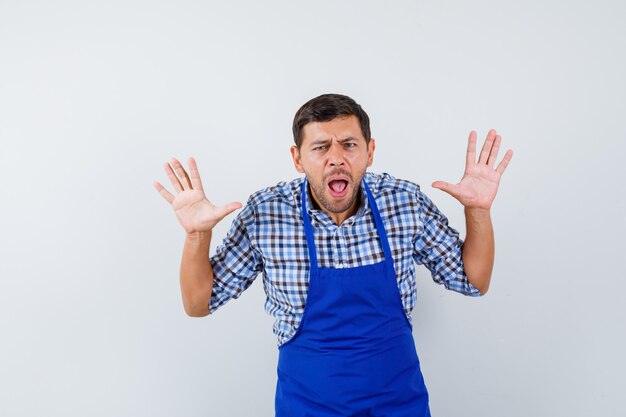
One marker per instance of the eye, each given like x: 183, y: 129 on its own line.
x: 319, y: 148
x: 350, y: 145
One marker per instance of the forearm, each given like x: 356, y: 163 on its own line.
x: 478, y: 248
x: 196, y: 274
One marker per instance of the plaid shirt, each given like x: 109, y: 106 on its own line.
x: 268, y: 236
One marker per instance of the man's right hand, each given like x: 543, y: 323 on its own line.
x: 194, y: 211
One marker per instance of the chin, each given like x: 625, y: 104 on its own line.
x: 341, y: 205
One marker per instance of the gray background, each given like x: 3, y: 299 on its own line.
x: 96, y: 96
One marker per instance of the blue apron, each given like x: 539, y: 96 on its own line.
x: 353, y: 353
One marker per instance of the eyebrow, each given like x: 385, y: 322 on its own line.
x: 321, y: 141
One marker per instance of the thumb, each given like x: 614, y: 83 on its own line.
x: 451, y: 189
x: 226, y: 209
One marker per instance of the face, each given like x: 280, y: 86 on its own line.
x: 334, y: 157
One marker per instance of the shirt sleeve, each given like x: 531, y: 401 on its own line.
x: 236, y: 262
x: 438, y: 247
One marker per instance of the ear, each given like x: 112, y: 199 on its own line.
x: 370, y: 152
x: 295, y: 154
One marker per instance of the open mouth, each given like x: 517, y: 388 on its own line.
x: 338, y: 188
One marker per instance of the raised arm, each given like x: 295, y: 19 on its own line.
x: 198, y: 216
x: 477, y: 191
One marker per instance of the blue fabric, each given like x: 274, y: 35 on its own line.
x: 353, y: 353
x: 267, y: 239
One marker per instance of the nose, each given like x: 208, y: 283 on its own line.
x: 335, y: 154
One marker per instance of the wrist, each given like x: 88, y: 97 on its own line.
x: 477, y: 213
x: 199, y: 236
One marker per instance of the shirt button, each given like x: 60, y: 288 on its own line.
x: 339, y: 265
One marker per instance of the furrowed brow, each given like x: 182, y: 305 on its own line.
x: 319, y: 142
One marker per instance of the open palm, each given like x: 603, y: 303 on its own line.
x: 479, y: 185
x: 193, y: 210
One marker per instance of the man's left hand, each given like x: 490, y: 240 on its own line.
x: 479, y: 185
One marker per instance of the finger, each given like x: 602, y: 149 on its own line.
x: 486, y: 150
x: 230, y: 207
x: 494, y: 151
x: 452, y: 189
x: 471, y: 149
x: 182, y: 174
x: 196, y: 182
x: 505, y: 161
x: 226, y: 209
x: 173, y: 178
x: 166, y: 194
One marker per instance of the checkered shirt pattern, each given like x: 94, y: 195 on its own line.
x: 268, y: 236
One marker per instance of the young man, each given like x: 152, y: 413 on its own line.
x: 337, y: 250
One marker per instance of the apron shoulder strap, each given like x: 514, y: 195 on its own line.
x: 308, y: 228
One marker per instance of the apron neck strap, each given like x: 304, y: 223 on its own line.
x: 382, y: 234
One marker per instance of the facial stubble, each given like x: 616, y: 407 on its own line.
x: 336, y: 207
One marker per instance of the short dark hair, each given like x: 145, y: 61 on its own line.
x: 325, y: 108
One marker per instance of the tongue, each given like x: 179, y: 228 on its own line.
x: 338, y: 185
